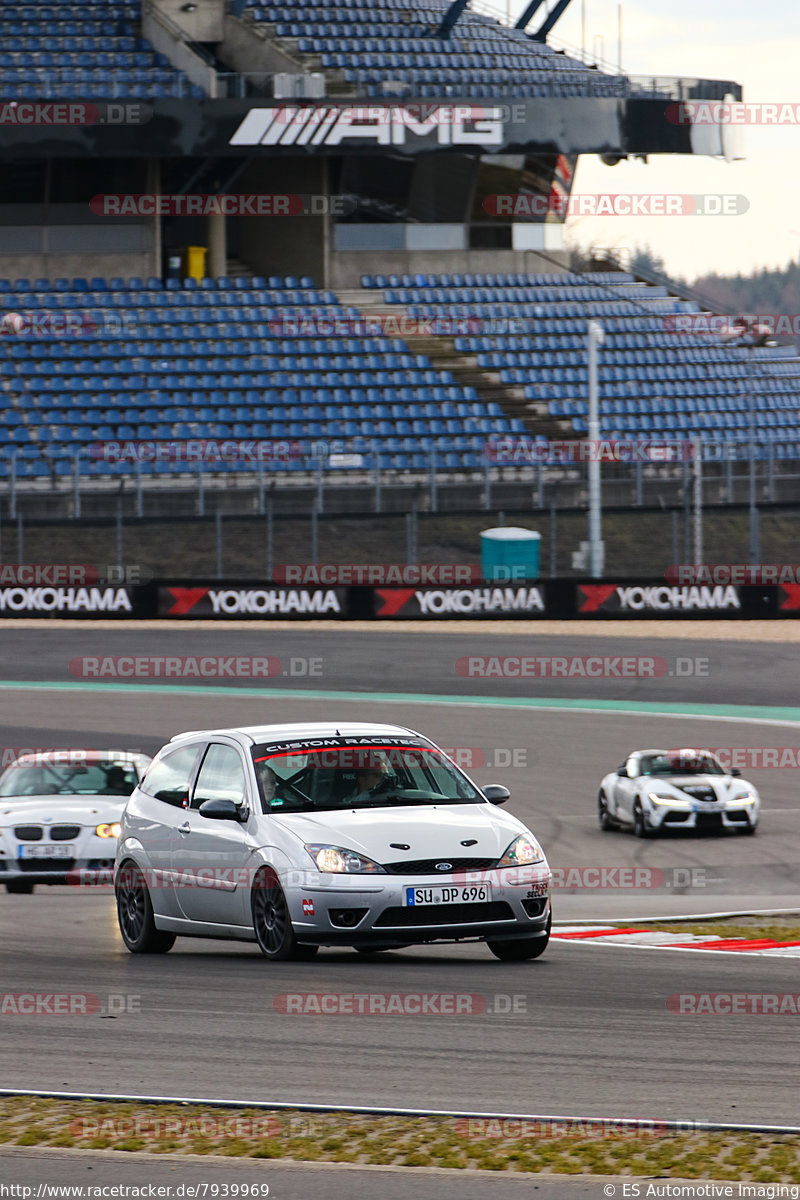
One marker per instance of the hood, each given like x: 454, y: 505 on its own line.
x: 430, y: 831
x: 60, y: 810
x: 724, y: 787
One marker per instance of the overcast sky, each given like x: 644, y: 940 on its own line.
x: 756, y: 45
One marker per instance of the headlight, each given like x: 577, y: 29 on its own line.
x: 336, y: 860
x: 523, y: 850
x: 672, y: 801
x: 109, y: 831
x: 743, y: 798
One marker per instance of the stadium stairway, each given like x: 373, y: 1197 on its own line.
x: 444, y: 355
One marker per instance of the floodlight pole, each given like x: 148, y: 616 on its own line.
x: 595, y: 339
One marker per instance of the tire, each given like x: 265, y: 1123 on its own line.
x: 135, y: 914
x: 640, y: 826
x: 374, y: 949
x: 272, y: 924
x: 606, y: 823
x: 522, y: 949
x: 747, y: 830
x: 20, y: 887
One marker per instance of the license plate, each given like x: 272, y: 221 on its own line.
x: 62, y: 850
x: 418, y: 897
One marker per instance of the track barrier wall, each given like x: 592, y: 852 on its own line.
x: 556, y: 599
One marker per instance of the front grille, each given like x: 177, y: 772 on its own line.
x: 706, y: 794
x: 708, y: 821
x: 64, y: 833
x: 427, y: 866
x: 45, y: 866
x: 444, y: 914
x: 738, y: 814
x: 676, y: 818
x: 28, y: 833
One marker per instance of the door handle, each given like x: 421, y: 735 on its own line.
x: 185, y: 828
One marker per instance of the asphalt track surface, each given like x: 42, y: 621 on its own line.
x: 290, y: 1181
x: 592, y: 1034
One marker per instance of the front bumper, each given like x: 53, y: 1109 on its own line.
x: 700, y: 817
x: 354, y: 911
x: 92, y: 863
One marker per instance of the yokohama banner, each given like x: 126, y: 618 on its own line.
x: 555, y: 599
x: 248, y: 601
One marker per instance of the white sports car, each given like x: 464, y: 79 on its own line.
x: 300, y: 836
x: 655, y: 790
x: 59, y: 814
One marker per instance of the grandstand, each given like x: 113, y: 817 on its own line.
x: 88, y: 50
x: 213, y: 355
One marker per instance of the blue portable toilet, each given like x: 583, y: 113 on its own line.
x: 509, y: 554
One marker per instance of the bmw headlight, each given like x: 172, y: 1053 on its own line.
x: 523, y: 850
x: 109, y: 831
x: 672, y: 801
x: 336, y: 860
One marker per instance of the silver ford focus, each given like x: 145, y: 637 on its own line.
x: 301, y: 836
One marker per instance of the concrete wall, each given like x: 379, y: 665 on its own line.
x: 294, y: 245
x: 38, y: 241
x: 71, y: 266
x: 205, y: 24
x: 243, y: 50
x: 346, y: 268
x: 179, y: 54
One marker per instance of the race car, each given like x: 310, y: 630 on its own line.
x: 656, y: 790
x: 301, y: 836
x: 59, y: 815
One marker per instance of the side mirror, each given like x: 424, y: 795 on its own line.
x: 223, y: 810
x: 622, y: 772
x: 495, y: 793
x: 735, y: 771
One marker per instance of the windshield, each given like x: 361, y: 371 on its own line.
x: 338, y: 776
x: 684, y: 763
x: 69, y: 779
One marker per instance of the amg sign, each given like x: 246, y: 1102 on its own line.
x: 377, y: 125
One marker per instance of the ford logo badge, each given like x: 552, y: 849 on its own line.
x: 444, y: 866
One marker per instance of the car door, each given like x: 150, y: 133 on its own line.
x: 155, y: 813
x: 625, y: 790
x: 210, y: 855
